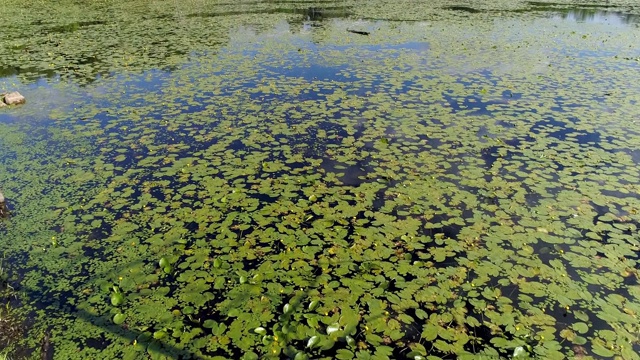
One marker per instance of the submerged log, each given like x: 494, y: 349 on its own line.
x: 46, y: 351
x: 358, y: 32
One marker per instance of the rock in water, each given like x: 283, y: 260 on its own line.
x: 2, y: 103
x: 4, y: 210
x: 14, y: 98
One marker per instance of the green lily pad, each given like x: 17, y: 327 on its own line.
x: 600, y: 350
x: 119, y: 319
x: 164, y: 262
x: 117, y: 299
x: 580, y: 327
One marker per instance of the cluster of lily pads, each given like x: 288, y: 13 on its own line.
x: 449, y: 188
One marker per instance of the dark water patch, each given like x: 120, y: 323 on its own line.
x: 592, y: 138
x: 412, y: 46
x: 314, y: 72
x: 354, y: 175
x: 336, y: 131
x: 98, y: 343
x: 490, y: 155
x: 589, y: 138
x: 474, y: 105
x: 192, y: 226
x: 563, y: 132
x: 448, y: 231
x: 237, y: 145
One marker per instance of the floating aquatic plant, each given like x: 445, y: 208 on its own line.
x: 273, y: 186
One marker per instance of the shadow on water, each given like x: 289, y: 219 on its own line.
x: 62, y: 305
x: 74, y: 26
x: 466, y: 9
x: 9, y: 71
x: 56, y: 306
x: 308, y: 14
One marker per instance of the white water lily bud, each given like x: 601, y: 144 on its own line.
x: 520, y: 352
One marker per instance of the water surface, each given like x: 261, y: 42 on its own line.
x: 247, y: 180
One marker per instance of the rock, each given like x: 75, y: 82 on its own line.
x: 2, y: 103
x: 14, y: 98
x: 4, y: 210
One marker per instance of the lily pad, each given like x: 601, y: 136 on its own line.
x: 119, y: 319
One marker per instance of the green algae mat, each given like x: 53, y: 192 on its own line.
x: 320, y: 180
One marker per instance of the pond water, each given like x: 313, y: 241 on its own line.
x: 251, y: 180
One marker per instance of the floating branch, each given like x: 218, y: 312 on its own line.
x: 358, y: 32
